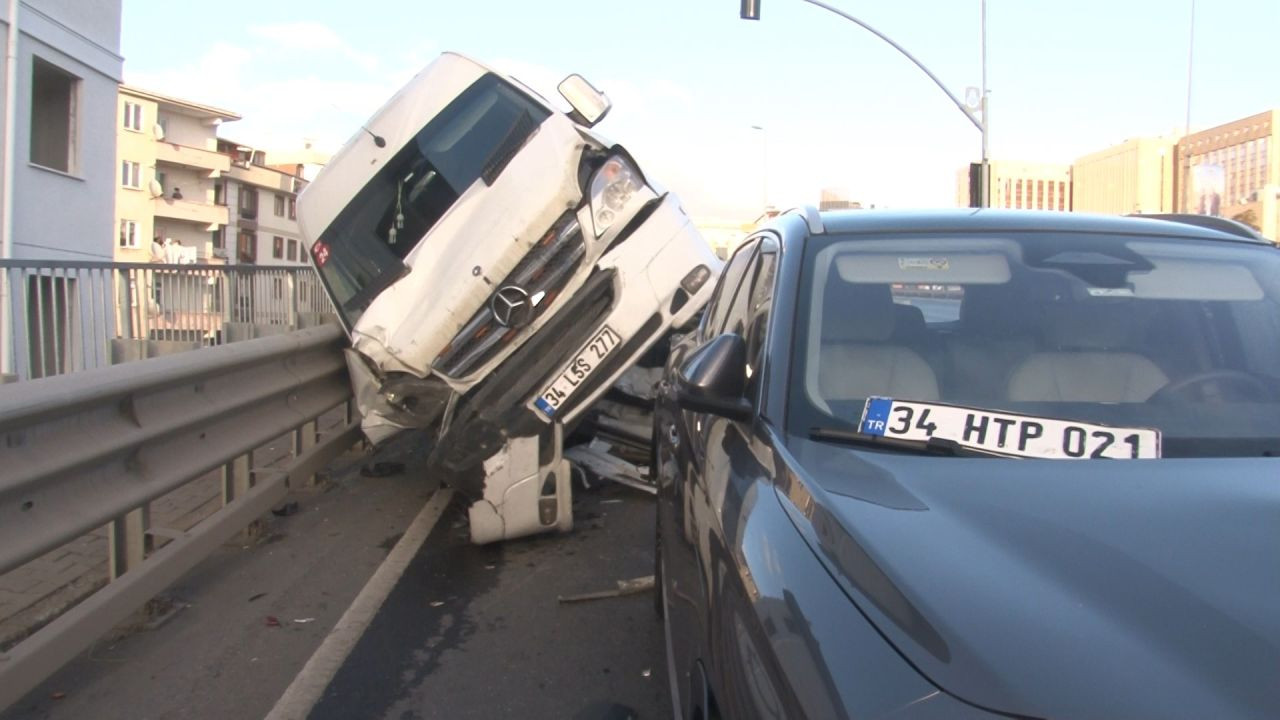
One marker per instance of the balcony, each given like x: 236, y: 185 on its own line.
x: 262, y: 177
x: 196, y: 212
x: 167, y: 152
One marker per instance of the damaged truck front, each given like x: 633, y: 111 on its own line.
x: 497, y: 266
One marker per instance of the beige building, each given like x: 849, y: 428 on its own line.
x: 263, y: 199
x: 1135, y: 176
x: 1022, y: 186
x: 168, y: 168
x: 1233, y: 171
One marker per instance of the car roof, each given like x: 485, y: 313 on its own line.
x: 970, y: 220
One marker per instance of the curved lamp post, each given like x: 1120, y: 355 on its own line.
x: 979, y: 116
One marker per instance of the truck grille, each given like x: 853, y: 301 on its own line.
x: 542, y: 274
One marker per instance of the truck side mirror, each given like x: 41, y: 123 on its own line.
x: 589, y: 104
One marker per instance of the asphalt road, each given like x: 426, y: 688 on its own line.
x: 479, y: 632
x: 466, y: 632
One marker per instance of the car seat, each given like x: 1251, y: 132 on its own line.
x: 1091, y: 359
x: 857, y: 357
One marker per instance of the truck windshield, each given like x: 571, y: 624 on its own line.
x: 1178, y: 335
x: 363, y: 249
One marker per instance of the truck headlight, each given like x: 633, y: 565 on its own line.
x: 612, y: 187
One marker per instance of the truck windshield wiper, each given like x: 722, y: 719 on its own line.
x: 932, y: 446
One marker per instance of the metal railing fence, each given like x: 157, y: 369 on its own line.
x: 96, y: 448
x: 69, y: 316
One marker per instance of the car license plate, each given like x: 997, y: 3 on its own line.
x: 573, y: 374
x: 1004, y: 433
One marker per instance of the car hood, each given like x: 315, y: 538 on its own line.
x: 1061, y: 589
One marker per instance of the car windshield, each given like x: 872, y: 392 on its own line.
x: 1178, y: 335
x: 363, y: 250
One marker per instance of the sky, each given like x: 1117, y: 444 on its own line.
x: 733, y: 114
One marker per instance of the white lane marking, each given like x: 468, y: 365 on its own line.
x: 308, y: 687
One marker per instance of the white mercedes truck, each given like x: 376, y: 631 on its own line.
x: 497, y: 265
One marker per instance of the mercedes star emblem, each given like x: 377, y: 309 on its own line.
x: 511, y: 306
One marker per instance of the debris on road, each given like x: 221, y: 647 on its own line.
x: 634, y: 586
x: 257, y: 596
x: 272, y: 621
x: 382, y: 469
x: 303, y: 621
x: 595, y: 458
x: 285, y: 510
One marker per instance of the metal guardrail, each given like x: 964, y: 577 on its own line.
x: 68, y: 316
x: 95, y: 448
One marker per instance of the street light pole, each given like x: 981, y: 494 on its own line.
x: 764, y: 169
x: 985, y: 173
x: 750, y: 10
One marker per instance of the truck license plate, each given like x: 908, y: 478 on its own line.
x: 577, y: 371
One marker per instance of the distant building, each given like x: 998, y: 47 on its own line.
x: 169, y: 203
x: 723, y: 236
x: 1135, y: 176
x: 1022, y: 186
x: 1233, y: 171
x: 831, y: 199
x: 69, y: 66
x: 264, y: 208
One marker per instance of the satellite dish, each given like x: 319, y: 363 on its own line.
x: 156, y: 189
x: 158, y: 130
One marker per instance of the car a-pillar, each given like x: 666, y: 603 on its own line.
x: 527, y: 489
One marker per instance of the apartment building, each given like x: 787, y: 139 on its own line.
x: 1022, y: 186
x: 1233, y: 171
x: 263, y: 229
x: 68, y: 68
x: 168, y: 202
x: 1135, y: 176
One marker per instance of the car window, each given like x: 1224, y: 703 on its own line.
x: 1126, y: 331
x: 730, y: 279
x: 758, y: 307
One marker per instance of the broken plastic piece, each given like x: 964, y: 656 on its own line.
x: 633, y: 586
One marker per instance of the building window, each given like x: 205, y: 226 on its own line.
x: 277, y: 247
x: 220, y: 238
x: 219, y: 193
x: 247, y: 247
x: 248, y: 202
x: 279, y: 207
x: 128, y: 233
x: 132, y: 116
x: 53, y: 116
x: 293, y: 250
x: 130, y: 174
x: 293, y: 208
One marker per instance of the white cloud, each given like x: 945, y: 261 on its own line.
x: 313, y: 37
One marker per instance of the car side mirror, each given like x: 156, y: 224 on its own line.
x: 714, y: 379
x: 589, y: 104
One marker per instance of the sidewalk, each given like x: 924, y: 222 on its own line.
x: 35, y: 594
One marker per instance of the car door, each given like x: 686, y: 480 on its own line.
x: 677, y: 466
x: 691, y: 444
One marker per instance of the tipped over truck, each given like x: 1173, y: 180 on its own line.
x: 497, y: 266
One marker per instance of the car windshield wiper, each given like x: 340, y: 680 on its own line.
x: 932, y: 446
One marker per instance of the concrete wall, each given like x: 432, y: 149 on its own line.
x: 69, y: 215
x: 189, y: 131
